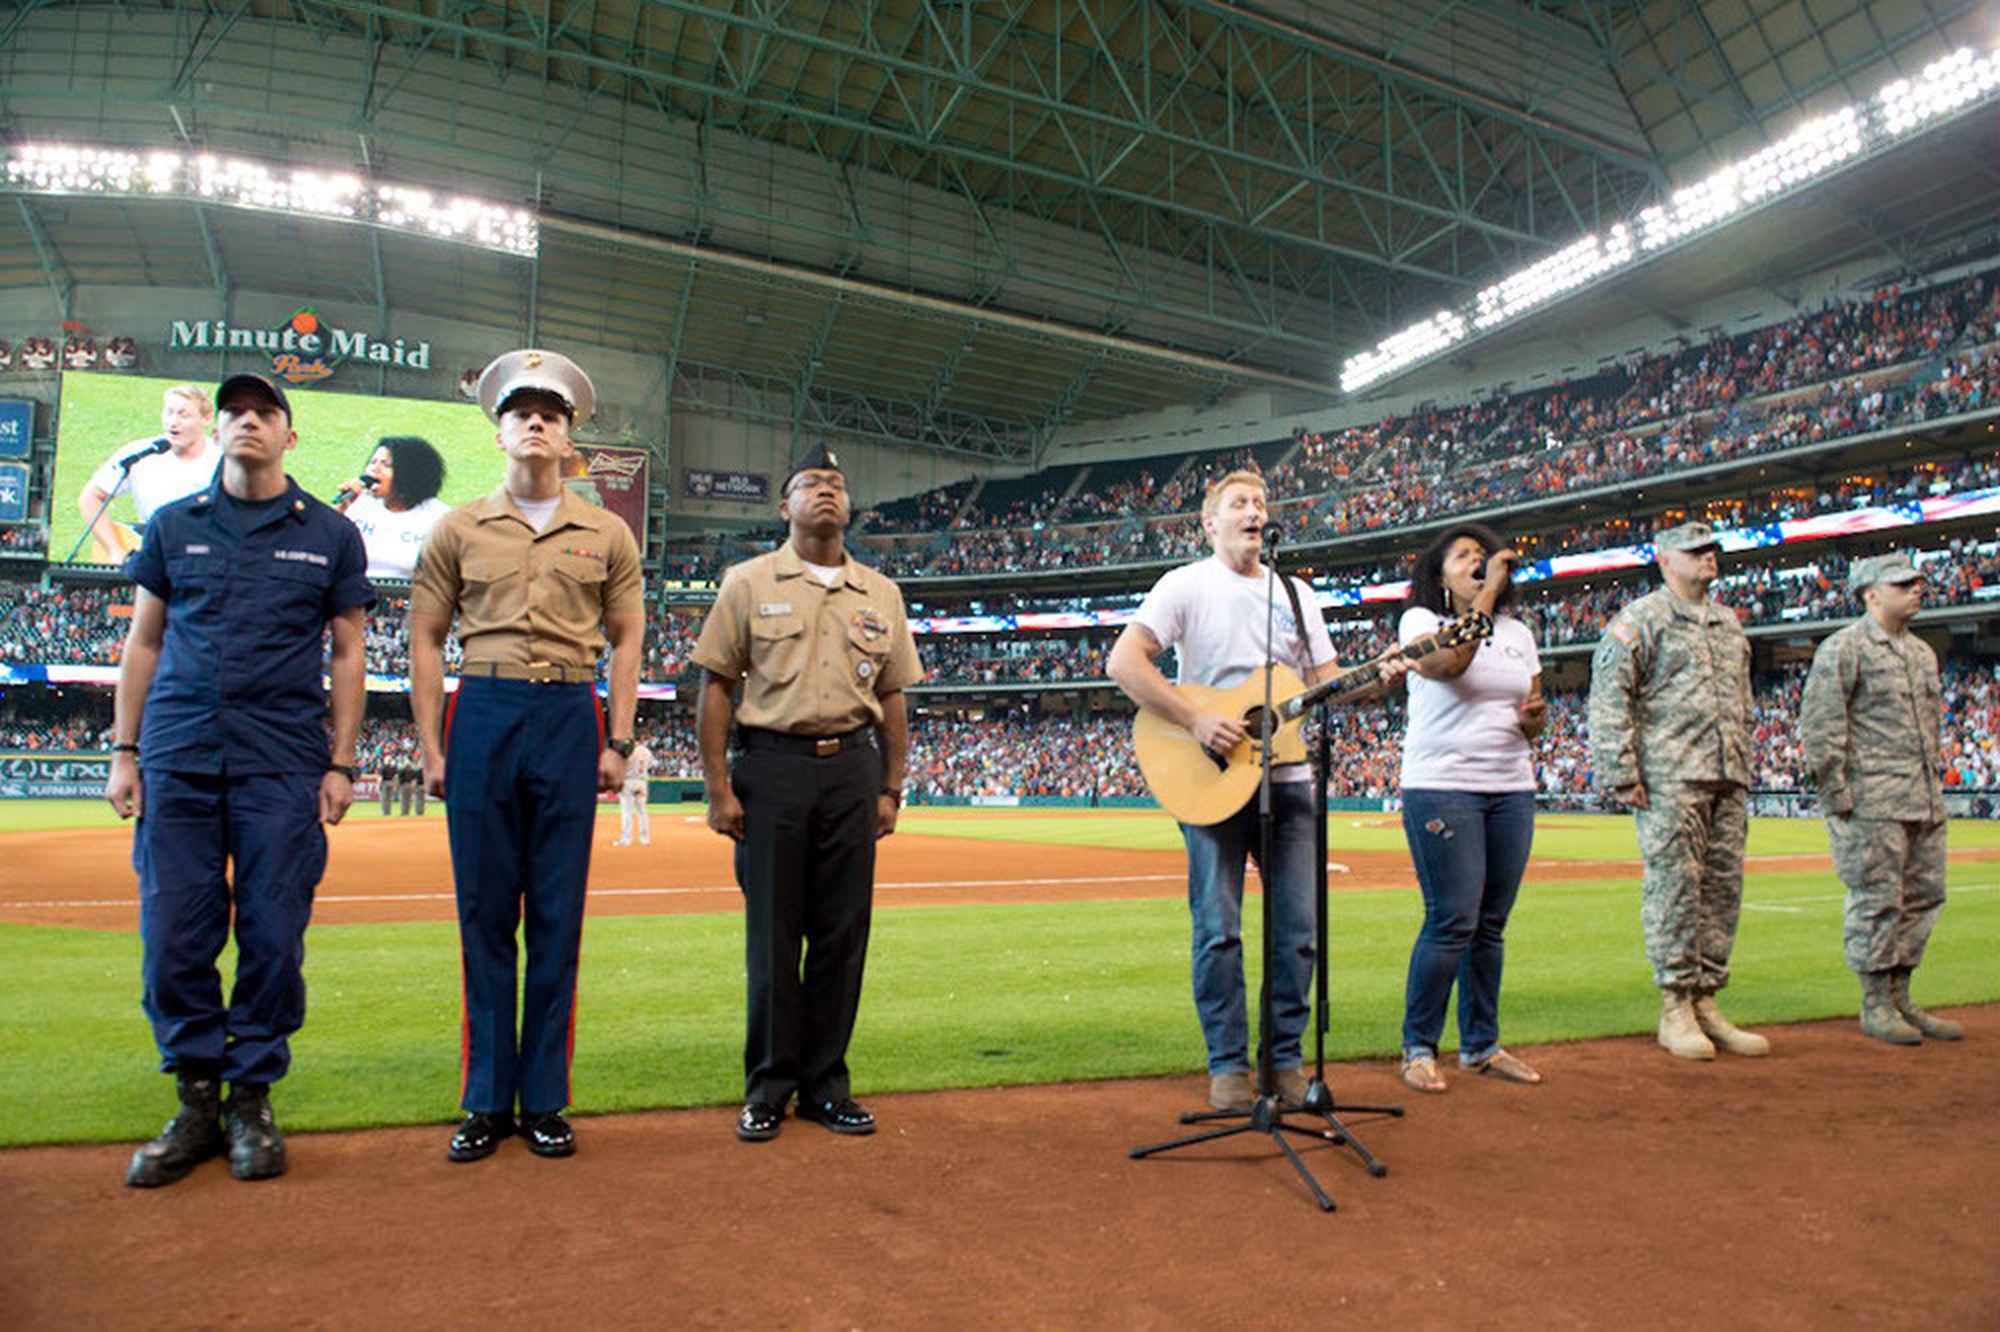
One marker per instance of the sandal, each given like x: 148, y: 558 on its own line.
x: 1507, y: 1068
x: 1420, y: 1073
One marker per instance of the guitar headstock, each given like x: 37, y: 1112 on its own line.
x: 1467, y: 628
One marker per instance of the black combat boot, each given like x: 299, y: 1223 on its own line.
x: 190, y: 1137
x: 256, y: 1146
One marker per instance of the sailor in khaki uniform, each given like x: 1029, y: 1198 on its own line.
x: 823, y: 652
x: 541, y: 580
x: 1869, y: 721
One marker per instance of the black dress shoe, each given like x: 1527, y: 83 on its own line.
x: 479, y: 1136
x: 842, y: 1116
x: 759, y: 1121
x: 549, y: 1134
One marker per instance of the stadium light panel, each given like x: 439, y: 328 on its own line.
x: 59, y: 168
x: 1901, y: 109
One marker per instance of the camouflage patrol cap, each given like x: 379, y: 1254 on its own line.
x: 1895, y: 567
x: 1687, y: 537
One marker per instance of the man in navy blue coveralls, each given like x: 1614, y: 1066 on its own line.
x: 540, y: 580
x: 222, y: 753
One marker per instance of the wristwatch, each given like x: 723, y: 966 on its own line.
x: 894, y: 795
x: 347, y: 770
x: 622, y: 748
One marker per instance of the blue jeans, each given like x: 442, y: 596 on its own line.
x: 1216, y: 856
x: 1470, y: 851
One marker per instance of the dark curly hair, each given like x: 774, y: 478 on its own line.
x: 419, y: 468
x: 1427, y: 578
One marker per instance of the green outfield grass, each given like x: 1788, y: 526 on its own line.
x: 1557, y: 836
x: 957, y: 996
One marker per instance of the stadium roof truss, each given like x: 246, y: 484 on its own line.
x: 956, y: 222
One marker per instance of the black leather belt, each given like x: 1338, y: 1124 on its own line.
x: 814, y: 746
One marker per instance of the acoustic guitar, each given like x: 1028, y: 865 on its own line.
x: 1200, y: 787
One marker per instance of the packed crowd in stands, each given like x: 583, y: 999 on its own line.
x: 1081, y: 758
x: 75, y: 624
x: 84, y: 624
x: 86, y: 731
x: 23, y: 539
x: 1963, y: 572
x: 1041, y: 756
x: 1856, y: 367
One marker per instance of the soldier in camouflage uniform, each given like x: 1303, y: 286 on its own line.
x: 1670, y: 737
x: 1870, y: 726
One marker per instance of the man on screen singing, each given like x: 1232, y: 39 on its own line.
x: 154, y: 471
x: 1214, y: 612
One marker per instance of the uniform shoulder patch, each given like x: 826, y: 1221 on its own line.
x: 1621, y: 629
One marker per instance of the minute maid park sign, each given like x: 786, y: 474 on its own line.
x: 302, y: 349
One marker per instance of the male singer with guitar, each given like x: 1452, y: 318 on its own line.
x: 1215, y: 612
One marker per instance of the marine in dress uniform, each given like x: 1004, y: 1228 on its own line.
x: 1670, y: 737
x: 1869, y: 721
x: 540, y: 580
x: 222, y: 754
x: 823, y: 652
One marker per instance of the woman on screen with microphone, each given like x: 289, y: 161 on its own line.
x: 1468, y: 800
x: 394, y: 502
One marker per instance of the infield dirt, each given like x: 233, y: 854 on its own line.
x: 394, y: 870
x: 1838, y: 1183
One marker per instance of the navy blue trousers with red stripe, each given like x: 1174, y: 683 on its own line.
x: 520, y: 789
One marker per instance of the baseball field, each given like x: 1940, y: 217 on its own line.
x: 1026, y: 1019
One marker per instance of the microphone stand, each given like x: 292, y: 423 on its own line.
x: 125, y: 466
x: 1268, y: 1114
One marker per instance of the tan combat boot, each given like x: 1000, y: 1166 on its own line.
x: 1680, y: 1034
x: 1930, y: 1024
x: 1879, y: 1017
x: 1728, y: 1037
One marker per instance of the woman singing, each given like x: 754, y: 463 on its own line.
x: 394, y: 502
x: 1468, y: 800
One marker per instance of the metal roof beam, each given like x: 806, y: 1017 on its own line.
x: 914, y: 138
x: 1045, y: 329
x: 61, y: 284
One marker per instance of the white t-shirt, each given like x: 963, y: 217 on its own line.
x: 161, y: 478
x: 537, y: 512
x: 1465, y: 734
x: 394, y: 540
x: 829, y: 574
x: 1214, y: 619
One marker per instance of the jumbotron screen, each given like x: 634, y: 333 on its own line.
x: 100, y: 416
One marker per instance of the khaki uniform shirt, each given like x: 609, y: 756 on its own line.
x: 524, y: 597
x: 1870, y: 721
x: 1670, y: 695
x: 814, y: 660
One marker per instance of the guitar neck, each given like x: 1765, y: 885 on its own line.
x: 1356, y: 678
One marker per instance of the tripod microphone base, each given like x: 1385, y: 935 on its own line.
x: 1269, y: 1116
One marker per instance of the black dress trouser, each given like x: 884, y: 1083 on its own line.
x: 806, y: 865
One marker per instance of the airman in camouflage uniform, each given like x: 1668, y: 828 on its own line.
x: 1670, y: 737
x: 1870, y: 726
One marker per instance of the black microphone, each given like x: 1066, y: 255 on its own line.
x: 367, y: 484
x: 1273, y: 534
x: 131, y: 460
